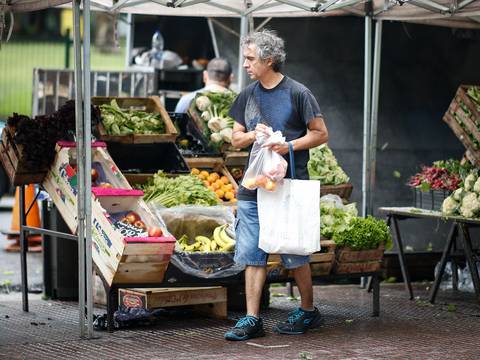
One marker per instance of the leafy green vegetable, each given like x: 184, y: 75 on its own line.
x: 214, y: 108
x: 124, y: 122
x: 323, y: 166
x: 364, y: 234
x: 454, y: 166
x: 334, y: 218
x: 180, y: 190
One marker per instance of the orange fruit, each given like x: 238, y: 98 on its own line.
x: 204, y: 174
x: 215, y: 186
x: 224, y: 180
x: 195, y: 171
x: 270, y: 185
x: 228, y: 187
x: 219, y: 193
x: 206, y: 183
x: 229, y: 195
x: 215, y: 175
x: 211, y: 178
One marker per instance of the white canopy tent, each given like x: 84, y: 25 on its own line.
x: 452, y: 13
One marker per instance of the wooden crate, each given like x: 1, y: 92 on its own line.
x: 212, y: 164
x: 61, y: 179
x: 349, y: 261
x: 342, y: 190
x: 236, y: 158
x: 118, y: 258
x: 202, y: 126
x: 211, y: 301
x: 148, y: 104
x: 12, y: 159
x: 465, y: 126
x: 357, y: 267
x: 202, y: 163
x: 321, y: 263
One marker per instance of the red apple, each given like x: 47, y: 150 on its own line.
x: 132, y: 216
x: 140, y: 224
x: 154, y: 231
x: 94, y: 175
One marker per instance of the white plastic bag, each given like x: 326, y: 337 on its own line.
x: 266, y: 167
x: 290, y: 218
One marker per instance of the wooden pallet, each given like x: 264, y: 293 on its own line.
x: 211, y: 301
x: 455, y: 117
x: 148, y: 104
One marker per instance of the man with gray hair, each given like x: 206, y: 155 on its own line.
x: 217, y: 78
x: 272, y: 100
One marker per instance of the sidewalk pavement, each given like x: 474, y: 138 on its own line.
x: 10, y: 274
x: 405, y: 330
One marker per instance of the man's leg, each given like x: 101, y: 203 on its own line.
x: 254, y: 280
x: 306, y: 316
x: 247, y: 252
x: 303, y: 280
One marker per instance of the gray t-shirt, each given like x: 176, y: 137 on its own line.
x: 288, y: 107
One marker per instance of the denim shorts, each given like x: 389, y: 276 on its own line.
x: 247, y: 231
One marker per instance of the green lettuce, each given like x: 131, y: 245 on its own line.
x: 323, y: 166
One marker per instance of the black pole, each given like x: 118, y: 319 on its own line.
x: 68, y: 44
x: 23, y: 249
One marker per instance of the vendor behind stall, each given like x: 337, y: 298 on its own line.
x: 217, y: 78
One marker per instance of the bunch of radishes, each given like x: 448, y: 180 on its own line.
x: 435, y: 178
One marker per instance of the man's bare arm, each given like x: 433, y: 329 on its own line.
x: 241, y: 138
x: 316, y: 135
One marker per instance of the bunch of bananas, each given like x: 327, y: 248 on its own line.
x: 219, y: 242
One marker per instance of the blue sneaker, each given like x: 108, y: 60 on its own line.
x: 246, y: 328
x: 298, y: 322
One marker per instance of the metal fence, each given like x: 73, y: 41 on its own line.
x: 52, y: 88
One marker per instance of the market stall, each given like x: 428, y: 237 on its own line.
x: 458, y: 15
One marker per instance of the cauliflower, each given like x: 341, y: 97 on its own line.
x: 203, y: 103
x: 449, y: 206
x: 470, y: 205
x: 470, y: 181
x: 459, y: 194
x: 476, y: 186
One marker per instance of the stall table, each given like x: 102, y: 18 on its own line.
x: 458, y: 226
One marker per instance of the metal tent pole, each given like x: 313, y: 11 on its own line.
x: 88, y: 165
x: 375, y: 96
x: 80, y: 172
x: 214, y: 37
x: 367, y: 108
x: 128, y: 52
x: 241, y: 72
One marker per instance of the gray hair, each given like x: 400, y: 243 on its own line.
x: 269, y: 46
